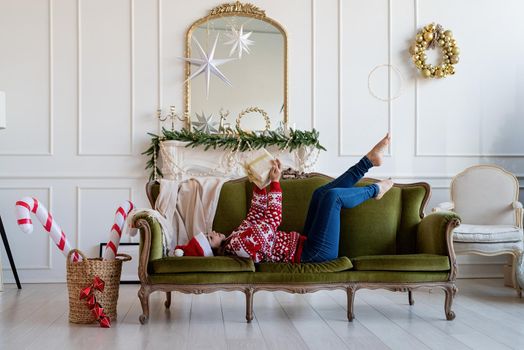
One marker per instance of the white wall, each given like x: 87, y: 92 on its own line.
x: 83, y: 79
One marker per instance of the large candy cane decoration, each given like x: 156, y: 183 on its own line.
x: 116, y: 230
x: 27, y: 205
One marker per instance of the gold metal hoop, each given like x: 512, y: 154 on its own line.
x: 401, y: 79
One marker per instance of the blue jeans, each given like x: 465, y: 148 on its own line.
x: 322, y: 225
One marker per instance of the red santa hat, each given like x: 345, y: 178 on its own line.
x: 197, y: 246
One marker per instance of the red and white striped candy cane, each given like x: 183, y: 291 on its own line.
x: 27, y: 205
x: 116, y: 230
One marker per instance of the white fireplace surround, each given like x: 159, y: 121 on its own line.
x: 179, y: 162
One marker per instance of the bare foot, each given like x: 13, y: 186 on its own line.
x: 376, y: 153
x: 384, y: 186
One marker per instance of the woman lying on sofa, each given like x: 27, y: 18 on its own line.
x: 258, y: 236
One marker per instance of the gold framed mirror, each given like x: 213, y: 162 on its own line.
x: 255, y: 68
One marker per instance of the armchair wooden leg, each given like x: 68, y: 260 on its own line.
x: 518, y: 273
x: 249, y: 304
x: 143, y: 295
x: 168, y: 300
x: 410, y: 297
x: 450, y: 294
x: 351, y: 300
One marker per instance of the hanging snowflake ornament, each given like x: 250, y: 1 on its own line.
x: 239, y: 41
x: 207, y: 64
x: 205, y: 123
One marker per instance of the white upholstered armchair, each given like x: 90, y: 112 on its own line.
x: 486, y: 198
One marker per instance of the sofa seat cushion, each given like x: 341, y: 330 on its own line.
x: 201, y: 264
x: 402, y: 262
x: 340, y: 264
x: 487, y: 233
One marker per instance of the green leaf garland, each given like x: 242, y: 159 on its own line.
x: 242, y: 140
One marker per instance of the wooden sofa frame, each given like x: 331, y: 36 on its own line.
x: 147, y: 287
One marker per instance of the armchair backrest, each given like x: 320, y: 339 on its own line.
x: 484, y: 195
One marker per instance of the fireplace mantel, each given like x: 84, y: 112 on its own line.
x: 179, y: 162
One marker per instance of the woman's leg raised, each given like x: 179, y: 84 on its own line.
x: 324, y: 235
x: 348, y: 179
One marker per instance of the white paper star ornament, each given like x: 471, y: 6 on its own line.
x: 240, y: 42
x: 207, y: 64
x: 205, y: 123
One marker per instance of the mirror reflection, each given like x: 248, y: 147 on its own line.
x: 248, y: 70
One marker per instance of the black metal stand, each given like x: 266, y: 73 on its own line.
x: 9, y: 255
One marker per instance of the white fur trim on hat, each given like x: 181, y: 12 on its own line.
x: 204, y: 244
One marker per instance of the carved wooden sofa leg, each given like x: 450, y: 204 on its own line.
x: 249, y: 303
x: 410, y: 297
x: 168, y: 300
x: 351, y: 290
x: 450, y: 294
x: 143, y: 295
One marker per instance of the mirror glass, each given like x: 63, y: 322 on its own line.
x: 256, y: 71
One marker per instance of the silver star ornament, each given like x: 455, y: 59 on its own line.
x: 240, y: 42
x: 208, y: 64
x: 205, y: 123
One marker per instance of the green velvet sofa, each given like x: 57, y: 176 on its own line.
x: 383, y: 244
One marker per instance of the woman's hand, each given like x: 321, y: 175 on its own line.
x: 276, y: 171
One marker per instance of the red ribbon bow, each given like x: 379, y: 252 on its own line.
x: 91, y: 303
x: 98, y: 311
x: 84, y: 293
x: 98, y: 284
x: 105, y: 322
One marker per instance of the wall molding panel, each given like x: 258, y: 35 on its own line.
x: 447, y: 154
x: 104, y: 234
x: 50, y: 110
x: 37, y: 227
x: 341, y: 104
x: 80, y: 81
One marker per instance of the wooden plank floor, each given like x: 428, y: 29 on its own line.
x: 489, y: 316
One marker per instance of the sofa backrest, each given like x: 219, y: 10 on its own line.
x: 387, y: 226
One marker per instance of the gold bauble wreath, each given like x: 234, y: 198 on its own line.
x: 431, y: 36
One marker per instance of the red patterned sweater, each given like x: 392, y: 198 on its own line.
x: 258, y: 237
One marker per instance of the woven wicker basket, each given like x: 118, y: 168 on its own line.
x: 80, y: 275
